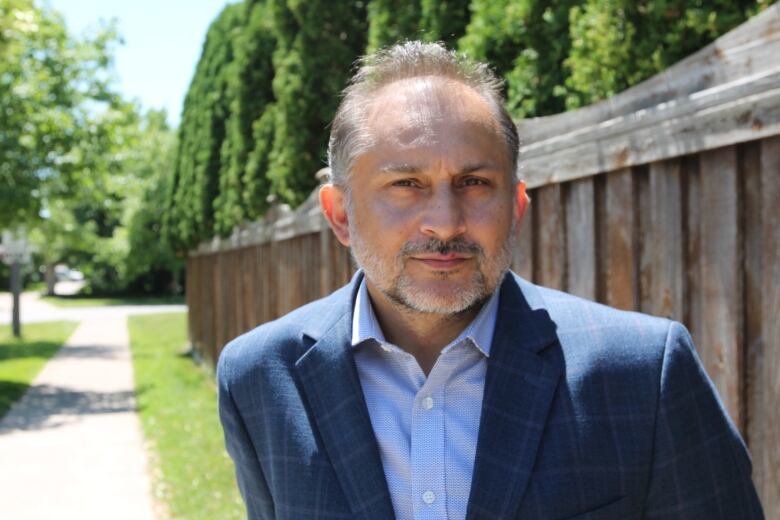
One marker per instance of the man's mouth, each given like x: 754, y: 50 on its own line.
x: 442, y: 262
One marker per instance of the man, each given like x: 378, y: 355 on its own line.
x: 438, y: 384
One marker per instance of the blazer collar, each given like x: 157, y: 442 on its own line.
x: 330, y: 381
x: 520, y: 384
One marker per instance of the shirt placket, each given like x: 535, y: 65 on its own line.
x: 427, y: 448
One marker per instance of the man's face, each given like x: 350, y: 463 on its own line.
x: 433, y: 203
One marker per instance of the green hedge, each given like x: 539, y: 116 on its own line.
x: 254, y: 123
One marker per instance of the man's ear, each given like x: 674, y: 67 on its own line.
x: 333, y: 204
x: 521, y: 203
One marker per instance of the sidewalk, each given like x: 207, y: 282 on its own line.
x: 33, y: 309
x: 72, y: 447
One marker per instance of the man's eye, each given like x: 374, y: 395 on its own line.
x: 474, y: 181
x: 405, y: 183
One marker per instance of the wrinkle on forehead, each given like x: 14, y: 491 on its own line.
x: 411, y: 112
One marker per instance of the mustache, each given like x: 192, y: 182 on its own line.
x: 442, y: 247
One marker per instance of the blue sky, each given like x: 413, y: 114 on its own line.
x: 163, y: 40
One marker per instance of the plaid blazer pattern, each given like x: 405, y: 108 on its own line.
x: 588, y: 413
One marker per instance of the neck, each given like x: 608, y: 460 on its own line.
x: 421, y: 334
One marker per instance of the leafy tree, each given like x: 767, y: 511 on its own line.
x: 316, y: 43
x: 242, y: 186
x: 150, y: 264
x: 257, y: 187
x: 527, y: 42
x: 56, y: 102
x: 390, y: 21
x: 619, y: 43
x: 190, y: 214
x: 444, y: 20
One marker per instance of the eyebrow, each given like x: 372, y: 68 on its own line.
x: 413, y: 169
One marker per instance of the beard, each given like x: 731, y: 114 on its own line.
x: 451, y: 297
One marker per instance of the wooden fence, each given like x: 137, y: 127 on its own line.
x: 663, y: 199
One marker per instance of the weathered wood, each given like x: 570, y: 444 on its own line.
x: 581, y: 238
x: 767, y: 449
x: 727, y: 93
x: 721, y: 261
x: 523, y: 262
x: 747, y: 51
x: 550, y: 237
x: 691, y: 127
x: 750, y: 171
x: 661, y: 276
x: 692, y: 311
x: 619, y: 248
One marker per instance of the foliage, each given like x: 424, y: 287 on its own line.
x: 57, y: 107
x: 444, y: 20
x: 316, y: 42
x: 391, y: 21
x: 242, y: 190
x: 195, y: 183
x: 22, y: 359
x: 110, y: 228
x: 618, y: 43
x: 177, y: 401
x: 526, y: 42
x: 255, y: 121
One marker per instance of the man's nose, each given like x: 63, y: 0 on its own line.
x: 443, y: 216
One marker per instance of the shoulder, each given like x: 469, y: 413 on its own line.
x: 592, y: 334
x: 279, y: 343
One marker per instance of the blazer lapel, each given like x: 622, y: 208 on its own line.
x: 519, y: 389
x: 330, y: 381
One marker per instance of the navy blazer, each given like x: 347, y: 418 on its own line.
x: 588, y: 413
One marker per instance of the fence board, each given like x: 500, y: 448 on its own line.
x: 721, y: 294
x: 523, y: 262
x: 550, y: 236
x: 692, y: 312
x: 767, y: 451
x: 662, y: 260
x: 581, y: 238
x: 619, y: 260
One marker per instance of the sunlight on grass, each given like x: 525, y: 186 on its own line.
x: 178, y: 405
x: 22, y: 359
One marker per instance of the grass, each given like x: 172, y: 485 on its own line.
x: 93, y: 301
x: 177, y: 399
x: 22, y: 359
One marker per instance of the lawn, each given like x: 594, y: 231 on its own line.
x: 22, y: 359
x: 90, y: 301
x: 178, y: 404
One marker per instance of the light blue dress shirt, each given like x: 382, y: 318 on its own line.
x: 426, y: 428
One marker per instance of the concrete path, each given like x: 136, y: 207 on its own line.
x: 72, y: 447
x: 33, y: 309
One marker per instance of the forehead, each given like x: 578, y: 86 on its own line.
x: 427, y: 119
x: 427, y: 106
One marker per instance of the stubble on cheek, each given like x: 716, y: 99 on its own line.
x: 395, y: 280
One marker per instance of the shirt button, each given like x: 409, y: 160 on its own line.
x: 427, y: 403
x: 428, y: 497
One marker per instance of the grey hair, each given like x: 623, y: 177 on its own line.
x: 348, y: 135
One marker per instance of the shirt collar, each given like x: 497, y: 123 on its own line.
x: 480, y: 331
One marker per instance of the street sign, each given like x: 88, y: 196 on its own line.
x: 15, y: 252
x: 14, y: 248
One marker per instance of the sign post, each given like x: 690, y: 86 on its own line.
x: 15, y: 252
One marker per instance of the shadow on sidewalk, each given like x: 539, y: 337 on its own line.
x: 47, y: 406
